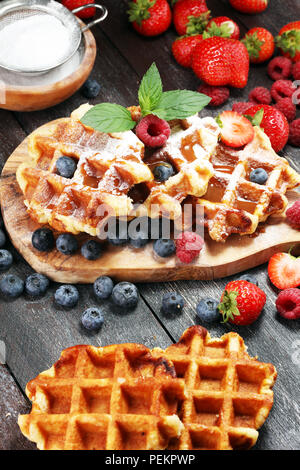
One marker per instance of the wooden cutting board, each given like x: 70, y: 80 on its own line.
x: 215, y: 261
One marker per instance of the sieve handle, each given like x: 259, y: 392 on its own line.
x: 102, y: 17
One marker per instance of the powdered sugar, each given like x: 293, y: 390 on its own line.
x: 35, y: 42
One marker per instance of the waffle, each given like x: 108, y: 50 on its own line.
x: 232, y: 203
x: 116, y: 397
x: 109, y: 165
x: 189, y: 149
x: 228, y: 393
x: 109, y: 168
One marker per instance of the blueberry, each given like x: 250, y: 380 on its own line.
x: 119, y: 236
x: 164, y: 247
x: 249, y: 278
x: 259, y: 176
x: 6, y: 260
x: 65, y: 166
x: 125, y: 294
x: 207, y: 310
x: 43, y: 239
x: 67, y: 244
x: 66, y: 295
x: 172, y: 303
x: 90, y: 88
x: 36, y: 285
x: 11, y: 286
x: 91, y: 250
x: 2, y: 238
x: 92, y: 318
x: 163, y: 172
x: 103, y: 287
x: 140, y: 239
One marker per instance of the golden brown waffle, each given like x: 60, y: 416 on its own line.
x: 232, y: 203
x: 229, y: 394
x: 188, y: 149
x: 113, y: 397
x: 109, y: 167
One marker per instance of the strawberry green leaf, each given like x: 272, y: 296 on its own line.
x: 139, y: 10
x: 219, y: 121
x: 108, y: 117
x: 150, y: 90
x: 180, y: 104
x: 222, y: 31
x: 289, y: 41
x: 228, y: 307
x: 253, y: 45
x: 256, y: 120
x: 197, y: 24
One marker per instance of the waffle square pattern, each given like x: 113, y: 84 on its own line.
x: 200, y: 393
x: 115, y: 397
x: 228, y: 393
x: 109, y: 168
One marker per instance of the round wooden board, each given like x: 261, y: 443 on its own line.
x: 215, y: 261
x: 33, y: 98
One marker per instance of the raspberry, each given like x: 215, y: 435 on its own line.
x: 282, y: 89
x: 241, y: 107
x: 280, y: 68
x: 293, y: 214
x: 296, y: 71
x: 218, y: 94
x: 260, y: 95
x: 294, y: 137
x: 188, y: 246
x: 153, y: 131
x: 288, y: 303
x: 287, y: 107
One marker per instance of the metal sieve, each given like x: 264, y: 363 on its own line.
x: 14, y: 10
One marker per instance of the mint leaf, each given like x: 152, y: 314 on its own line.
x: 180, y: 104
x: 108, y: 117
x: 150, y: 90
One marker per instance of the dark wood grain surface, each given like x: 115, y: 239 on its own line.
x: 36, y: 331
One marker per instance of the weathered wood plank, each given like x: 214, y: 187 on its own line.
x: 12, y: 403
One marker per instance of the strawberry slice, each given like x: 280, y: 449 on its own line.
x: 284, y: 270
x: 236, y: 130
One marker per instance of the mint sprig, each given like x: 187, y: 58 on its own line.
x: 169, y: 105
x: 150, y: 90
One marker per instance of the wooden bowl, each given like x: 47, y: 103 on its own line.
x: 34, y: 98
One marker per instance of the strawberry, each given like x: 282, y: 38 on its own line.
x: 183, y: 47
x: 150, y: 17
x: 249, y: 6
x: 224, y: 27
x: 284, y: 270
x: 221, y: 61
x: 72, y: 4
x: 273, y: 122
x: 241, y: 302
x: 236, y: 130
x: 288, y: 41
x: 190, y: 16
x: 260, y: 45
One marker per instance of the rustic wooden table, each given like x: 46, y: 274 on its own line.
x: 36, y: 331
